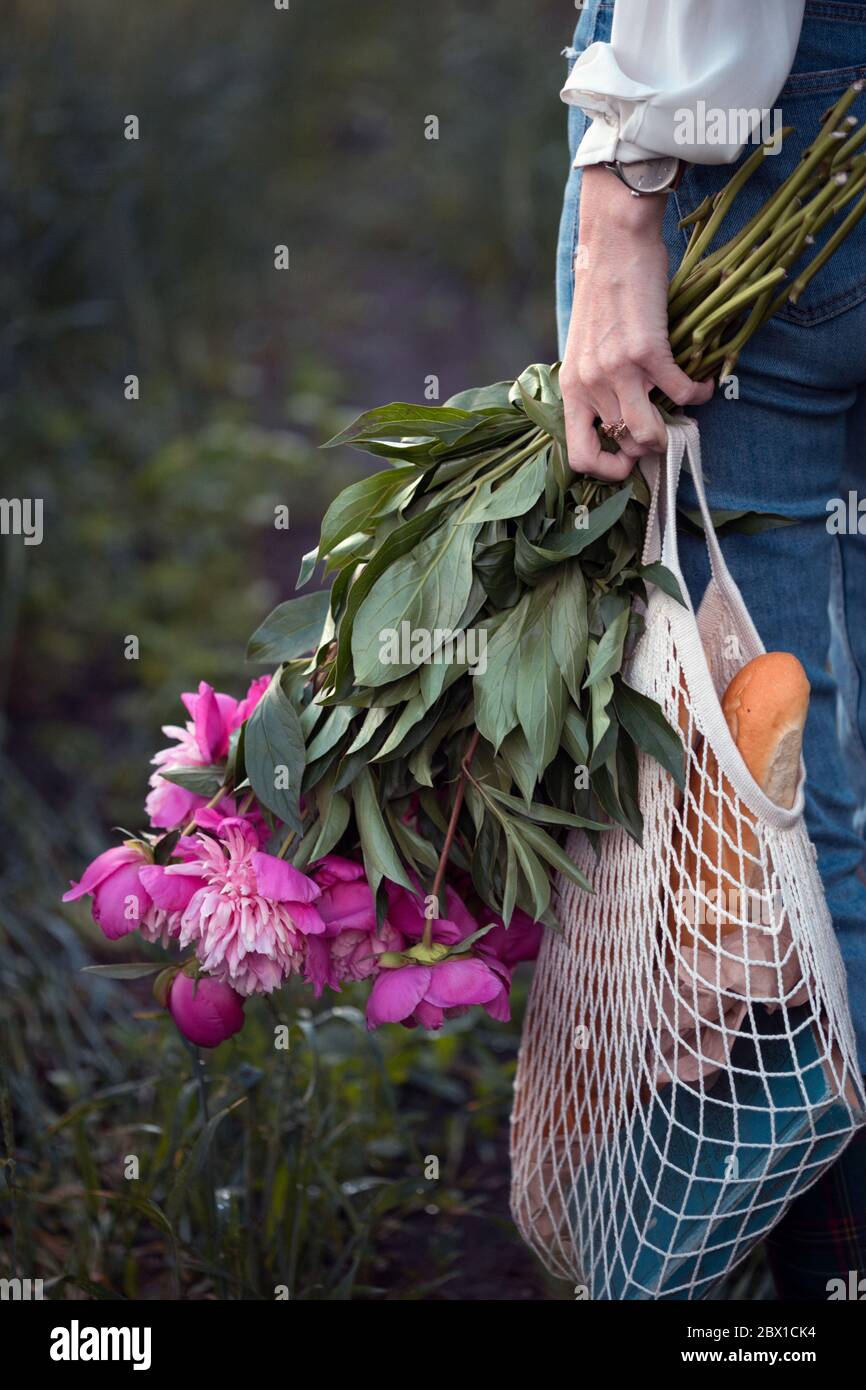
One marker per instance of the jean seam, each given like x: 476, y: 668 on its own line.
x: 836, y: 304
x: 825, y: 80
x: 842, y: 618
x: 836, y: 10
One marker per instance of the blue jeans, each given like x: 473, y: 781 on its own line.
x: 794, y: 439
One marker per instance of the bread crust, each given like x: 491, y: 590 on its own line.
x: 765, y: 707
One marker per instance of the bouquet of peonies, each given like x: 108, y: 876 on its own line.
x: 390, y: 803
x: 202, y: 878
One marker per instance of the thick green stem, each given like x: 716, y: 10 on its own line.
x: 722, y: 204
x: 827, y: 250
x: 435, y: 891
x: 737, y: 302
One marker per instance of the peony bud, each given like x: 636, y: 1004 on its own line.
x: 205, y: 1010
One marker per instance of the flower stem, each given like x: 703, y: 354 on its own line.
x: 214, y: 801
x: 427, y: 939
x: 284, y: 847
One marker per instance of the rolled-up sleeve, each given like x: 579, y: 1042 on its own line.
x: 683, y: 77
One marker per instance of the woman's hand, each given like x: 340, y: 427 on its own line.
x: 618, y: 347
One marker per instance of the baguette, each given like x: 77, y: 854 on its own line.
x: 765, y: 707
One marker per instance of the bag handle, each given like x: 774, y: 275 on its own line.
x: 661, y: 543
x: 663, y: 474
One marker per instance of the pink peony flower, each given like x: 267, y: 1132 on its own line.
x: 517, y: 942
x: 205, y: 1011
x: 407, y: 912
x: 349, y: 955
x: 426, y: 994
x: 121, y: 902
x: 439, y: 982
x: 250, y: 913
x: 203, y: 740
x: 335, y: 869
x: 347, y: 906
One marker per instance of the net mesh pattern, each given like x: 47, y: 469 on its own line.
x: 687, y: 1064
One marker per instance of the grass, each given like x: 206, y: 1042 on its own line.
x: 306, y: 1158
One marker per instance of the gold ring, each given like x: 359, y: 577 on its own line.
x: 615, y: 431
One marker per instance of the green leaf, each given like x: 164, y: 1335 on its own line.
x: 539, y: 381
x: 574, y: 737
x: 550, y: 416
x: 547, y: 847
x: 356, y: 508
x: 380, y: 857
x: 570, y: 631
x: 131, y: 970
x: 482, y: 397
x: 308, y: 566
x: 607, y: 657
x: 349, y: 553
x: 537, y: 877
x: 643, y: 720
x: 352, y: 763
x: 165, y: 846
x: 604, y: 786
x: 517, y: 757
x: 531, y: 561
x: 291, y: 630
x: 399, y: 543
x: 203, y: 781
x: 509, y: 897
x: 236, y: 771
x: 661, y: 576
x: 420, y: 762
x: 415, y: 848
x: 331, y: 732
x: 469, y: 941
x: 374, y: 720
x: 496, y: 687
x: 514, y: 497
x: 427, y: 589
x: 273, y: 740
x: 494, y: 565
x: 402, y: 421
x: 548, y: 815
x: 628, y: 788
x: 541, y: 692
x: 196, y: 1160
x: 411, y: 713
x: 746, y: 522
x: 601, y: 695
x: 334, y: 810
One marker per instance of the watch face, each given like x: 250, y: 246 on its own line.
x: 651, y: 175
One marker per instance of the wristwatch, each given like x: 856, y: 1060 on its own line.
x: 645, y: 176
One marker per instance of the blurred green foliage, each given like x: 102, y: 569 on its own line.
x: 311, y: 1173
x: 410, y: 258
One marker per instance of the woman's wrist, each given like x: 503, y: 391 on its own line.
x: 606, y: 204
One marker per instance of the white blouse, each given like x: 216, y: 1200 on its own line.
x: 692, y: 78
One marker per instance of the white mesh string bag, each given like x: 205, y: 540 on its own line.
x: 687, y: 1065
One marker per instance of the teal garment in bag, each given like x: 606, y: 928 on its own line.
x: 692, y: 1192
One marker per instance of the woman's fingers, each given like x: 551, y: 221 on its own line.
x: 585, y: 454
x: 609, y: 411
x: 645, y: 425
x: 590, y: 402
x: 658, y: 364
x: 581, y: 438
